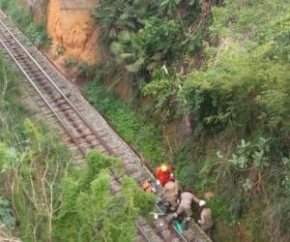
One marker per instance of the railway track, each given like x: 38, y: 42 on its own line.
x: 79, y: 131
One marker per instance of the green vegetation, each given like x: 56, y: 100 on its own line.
x: 134, y: 129
x: 228, y: 68
x: 243, y: 91
x: 89, y: 211
x: 32, y: 163
x: 36, y: 33
x: 142, y: 36
x: 49, y: 199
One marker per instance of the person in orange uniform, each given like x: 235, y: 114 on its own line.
x: 163, y: 174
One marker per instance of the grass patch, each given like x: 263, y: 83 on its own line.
x: 135, y: 129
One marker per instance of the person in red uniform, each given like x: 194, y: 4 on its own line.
x: 163, y: 174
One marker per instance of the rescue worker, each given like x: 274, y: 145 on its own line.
x: 186, y: 200
x: 170, y: 193
x: 163, y: 174
x: 205, y: 220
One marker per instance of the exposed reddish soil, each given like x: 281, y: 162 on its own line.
x: 73, y: 34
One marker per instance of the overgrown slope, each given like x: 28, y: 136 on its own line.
x: 228, y: 69
x: 43, y: 196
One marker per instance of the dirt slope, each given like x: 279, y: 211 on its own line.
x: 72, y: 32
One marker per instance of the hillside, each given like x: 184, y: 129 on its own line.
x: 206, y: 88
x: 225, y: 69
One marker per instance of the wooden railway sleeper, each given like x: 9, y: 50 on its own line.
x: 57, y: 99
x: 93, y: 142
x: 70, y: 117
x: 65, y: 108
x: 88, y: 137
x: 78, y: 127
x: 39, y: 77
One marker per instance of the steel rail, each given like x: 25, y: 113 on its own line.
x: 141, y: 231
x: 103, y: 143
x: 109, y: 149
x: 40, y: 94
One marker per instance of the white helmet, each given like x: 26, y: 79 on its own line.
x: 202, y: 203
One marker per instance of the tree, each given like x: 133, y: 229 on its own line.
x: 93, y: 211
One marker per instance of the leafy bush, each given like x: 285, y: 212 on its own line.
x: 84, y: 70
x: 33, y: 161
x: 142, y: 36
x: 157, y: 37
x: 165, y: 93
x: 96, y: 213
x: 129, y: 51
x: 239, y: 92
x: 134, y: 129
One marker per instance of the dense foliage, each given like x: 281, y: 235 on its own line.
x: 89, y: 212
x: 43, y: 197
x: 143, y: 36
x: 228, y: 67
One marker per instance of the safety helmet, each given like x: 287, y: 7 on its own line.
x: 188, y: 189
x: 164, y: 168
x: 202, y: 203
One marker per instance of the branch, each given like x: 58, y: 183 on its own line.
x: 9, y: 240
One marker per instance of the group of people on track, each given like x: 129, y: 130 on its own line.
x: 179, y: 202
